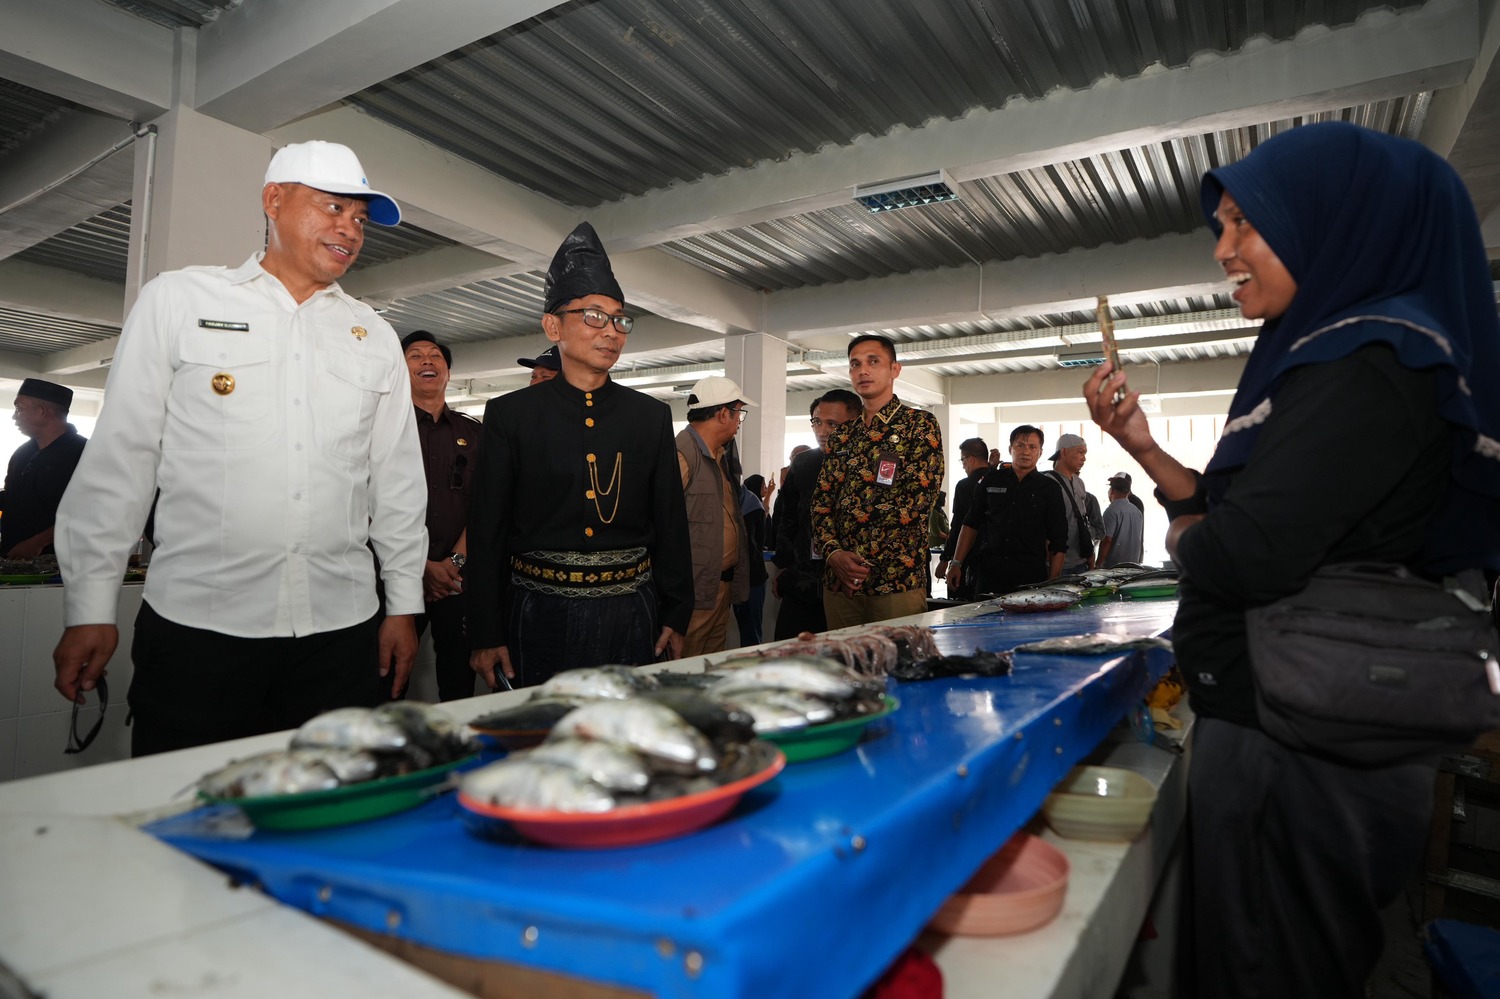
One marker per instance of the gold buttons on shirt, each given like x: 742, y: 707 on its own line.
x: 588, y: 400
x: 359, y: 332
x: 588, y: 532
x: 588, y: 494
x: 223, y: 383
x: 589, y: 422
x: 590, y: 458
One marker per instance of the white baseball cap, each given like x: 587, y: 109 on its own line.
x: 330, y: 167
x: 716, y: 390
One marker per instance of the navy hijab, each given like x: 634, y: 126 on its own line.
x: 1381, y: 237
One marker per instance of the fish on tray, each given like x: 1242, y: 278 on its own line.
x: 289, y: 771
x: 1093, y: 644
x: 648, y: 727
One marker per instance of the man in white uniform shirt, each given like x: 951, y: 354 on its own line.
x: 273, y: 413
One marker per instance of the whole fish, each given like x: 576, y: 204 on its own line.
x: 352, y: 728
x: 432, y: 736
x: 1030, y: 601
x: 611, y: 766
x: 1088, y: 645
x: 977, y: 663
x: 536, y: 715
x: 519, y: 782
x: 289, y: 771
x: 777, y: 710
x: 810, y: 675
x: 597, y: 683
x: 648, y: 727
x: 723, y: 723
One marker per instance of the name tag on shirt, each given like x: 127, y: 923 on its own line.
x: 223, y: 324
x: 995, y: 489
x: 885, y: 468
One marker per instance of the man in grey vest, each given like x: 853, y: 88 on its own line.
x: 710, y: 483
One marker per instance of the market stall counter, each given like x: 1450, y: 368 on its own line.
x: 833, y: 868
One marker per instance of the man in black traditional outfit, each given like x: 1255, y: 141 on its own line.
x: 578, y: 538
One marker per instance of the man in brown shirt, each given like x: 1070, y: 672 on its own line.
x: 721, y: 551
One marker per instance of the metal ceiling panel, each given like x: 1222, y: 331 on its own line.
x: 34, y: 333
x: 1112, y: 198
x: 23, y: 112
x: 598, y: 100
x: 176, y: 13
x: 100, y: 246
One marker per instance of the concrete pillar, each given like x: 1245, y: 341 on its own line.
x: 204, y: 197
x: 757, y: 363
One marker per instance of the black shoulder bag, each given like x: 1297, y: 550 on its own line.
x: 1372, y: 665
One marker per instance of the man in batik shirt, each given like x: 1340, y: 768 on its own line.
x: 874, y: 494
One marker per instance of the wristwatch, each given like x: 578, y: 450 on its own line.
x: 458, y: 559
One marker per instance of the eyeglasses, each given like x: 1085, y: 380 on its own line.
x: 598, y: 319
x: 739, y: 414
x: 77, y: 744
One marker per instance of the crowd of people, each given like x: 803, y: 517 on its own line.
x: 275, y: 425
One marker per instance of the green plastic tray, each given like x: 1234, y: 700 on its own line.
x: 343, y: 805
x: 1148, y: 592
x: 818, y: 741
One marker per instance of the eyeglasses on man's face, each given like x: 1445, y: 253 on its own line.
x: 739, y: 414
x: 599, y: 319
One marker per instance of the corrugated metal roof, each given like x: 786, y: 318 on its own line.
x: 176, y: 13
x: 678, y: 89
x: 99, y: 247
x: 23, y: 112
x: 33, y: 333
x: 1137, y: 193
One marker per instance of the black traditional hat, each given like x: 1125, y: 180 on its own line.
x: 580, y: 267
x: 60, y: 395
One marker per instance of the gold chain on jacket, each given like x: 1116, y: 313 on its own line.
x: 599, y: 490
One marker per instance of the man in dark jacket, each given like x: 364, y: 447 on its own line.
x: 974, y: 456
x: 39, y: 470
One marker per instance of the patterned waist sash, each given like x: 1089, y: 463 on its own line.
x: 582, y: 574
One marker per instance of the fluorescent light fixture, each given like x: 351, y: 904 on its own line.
x: 906, y: 192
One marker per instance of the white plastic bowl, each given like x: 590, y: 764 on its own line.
x: 1100, y: 803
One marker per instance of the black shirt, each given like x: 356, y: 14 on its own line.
x: 34, y: 486
x: 1349, y: 466
x: 537, y: 489
x: 793, y: 523
x: 963, y: 495
x: 450, y: 457
x: 1021, y: 521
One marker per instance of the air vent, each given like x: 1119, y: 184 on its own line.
x: 908, y: 192
x: 1080, y: 355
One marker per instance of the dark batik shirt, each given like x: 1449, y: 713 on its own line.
x: 886, y: 525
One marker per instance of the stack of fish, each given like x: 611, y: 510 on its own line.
x: 874, y: 652
x: 614, y: 752
x: 789, y: 692
x: 346, y: 746
x: 564, y: 692
x: 1065, y: 591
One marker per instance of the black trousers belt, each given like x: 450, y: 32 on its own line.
x: 582, y: 573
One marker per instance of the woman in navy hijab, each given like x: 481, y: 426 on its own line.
x: 1364, y: 428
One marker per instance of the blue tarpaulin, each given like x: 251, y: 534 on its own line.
x: 809, y: 888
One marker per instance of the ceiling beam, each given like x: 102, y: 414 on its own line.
x: 652, y: 337
x: 1035, y: 387
x: 422, y: 273
x: 1380, y: 57
x: 1175, y: 266
x: 263, y: 64
x: 90, y: 53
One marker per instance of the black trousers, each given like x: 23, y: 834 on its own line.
x: 450, y: 645
x: 1290, y: 859
x: 193, y: 686
x: 801, y: 589
x: 550, y: 633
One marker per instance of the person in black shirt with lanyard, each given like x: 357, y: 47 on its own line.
x: 578, y: 537
x: 39, y: 470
